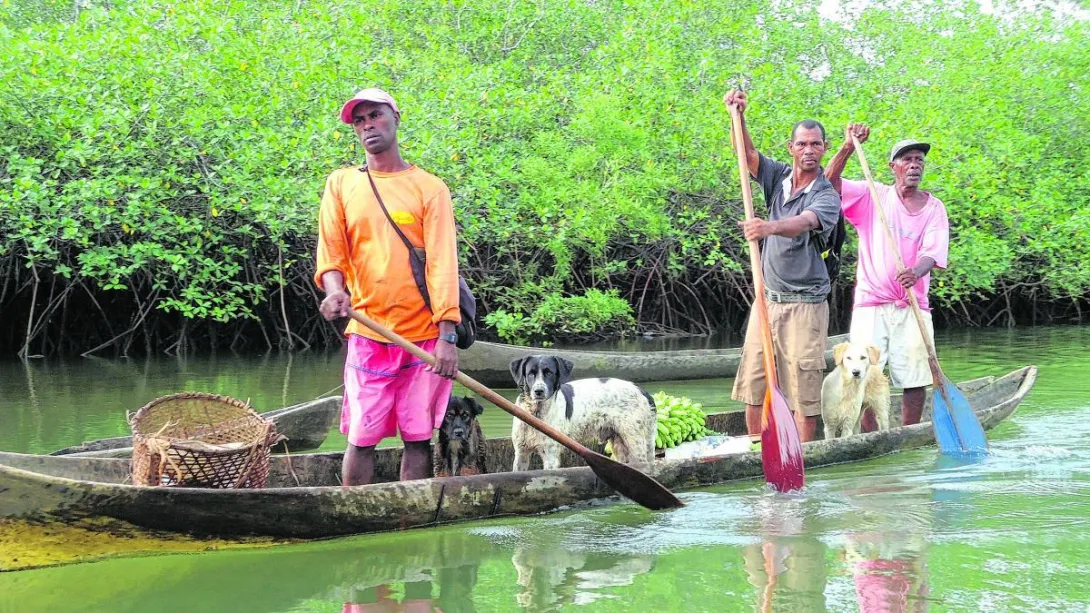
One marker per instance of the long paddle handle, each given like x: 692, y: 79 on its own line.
x: 473, y: 384
x: 931, y: 354
x: 754, y: 249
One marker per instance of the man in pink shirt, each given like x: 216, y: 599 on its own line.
x: 881, y: 313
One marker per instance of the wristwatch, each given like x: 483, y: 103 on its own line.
x: 451, y: 338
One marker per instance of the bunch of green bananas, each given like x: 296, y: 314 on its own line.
x: 679, y: 420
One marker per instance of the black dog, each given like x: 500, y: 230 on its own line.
x: 460, y: 450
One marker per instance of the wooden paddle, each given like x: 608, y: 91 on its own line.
x: 957, y: 428
x: 626, y: 480
x: 781, y: 450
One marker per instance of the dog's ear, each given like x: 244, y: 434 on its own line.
x: 516, y: 369
x: 838, y: 353
x: 475, y: 407
x: 564, y: 368
x: 875, y: 354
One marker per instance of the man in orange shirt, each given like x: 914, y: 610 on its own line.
x: 362, y: 261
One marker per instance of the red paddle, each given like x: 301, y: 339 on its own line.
x: 781, y: 450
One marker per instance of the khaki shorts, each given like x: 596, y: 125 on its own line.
x: 895, y: 331
x: 799, y: 334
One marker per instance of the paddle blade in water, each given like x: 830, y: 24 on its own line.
x: 781, y: 450
x: 946, y: 434
x: 957, y: 428
x: 631, y: 483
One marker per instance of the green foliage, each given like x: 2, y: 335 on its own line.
x: 595, y: 313
x: 581, y: 316
x: 512, y: 327
x: 1004, y: 102
x: 178, y: 150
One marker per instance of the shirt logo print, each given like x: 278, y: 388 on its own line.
x: 402, y: 218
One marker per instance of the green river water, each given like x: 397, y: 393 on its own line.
x: 907, y: 532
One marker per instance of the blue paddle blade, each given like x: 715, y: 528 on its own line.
x: 946, y: 434
x: 957, y: 428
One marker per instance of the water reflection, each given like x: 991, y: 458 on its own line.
x: 888, y: 561
x: 414, y: 596
x: 787, y: 566
x: 877, y: 526
x: 590, y: 555
x: 550, y: 578
x: 381, y: 599
x: 439, y: 576
x: 456, y: 585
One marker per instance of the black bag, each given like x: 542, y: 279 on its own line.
x: 467, y: 303
x: 831, y: 252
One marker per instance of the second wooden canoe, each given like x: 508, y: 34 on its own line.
x: 306, y: 425
x: 489, y: 363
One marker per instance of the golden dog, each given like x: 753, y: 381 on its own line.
x: 854, y: 385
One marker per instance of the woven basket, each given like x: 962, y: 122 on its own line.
x: 200, y: 440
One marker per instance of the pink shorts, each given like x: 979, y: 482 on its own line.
x: 386, y: 389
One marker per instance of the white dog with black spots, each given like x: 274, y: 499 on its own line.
x: 587, y: 410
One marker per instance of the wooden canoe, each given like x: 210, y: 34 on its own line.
x: 305, y: 500
x: 306, y: 425
x: 489, y: 363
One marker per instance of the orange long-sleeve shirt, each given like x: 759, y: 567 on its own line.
x: 356, y: 238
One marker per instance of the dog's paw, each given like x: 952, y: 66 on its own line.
x: 442, y: 473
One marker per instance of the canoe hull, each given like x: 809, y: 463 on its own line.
x: 318, y: 509
x: 489, y: 363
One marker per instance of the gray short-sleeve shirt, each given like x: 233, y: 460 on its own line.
x: 794, y: 265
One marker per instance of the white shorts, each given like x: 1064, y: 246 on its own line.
x: 897, y: 334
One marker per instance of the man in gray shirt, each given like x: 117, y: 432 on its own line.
x: 803, y: 209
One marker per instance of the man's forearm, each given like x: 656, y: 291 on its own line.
x: 923, y: 266
x: 794, y: 226
x: 837, y: 163
x: 446, y: 327
x: 332, y: 281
